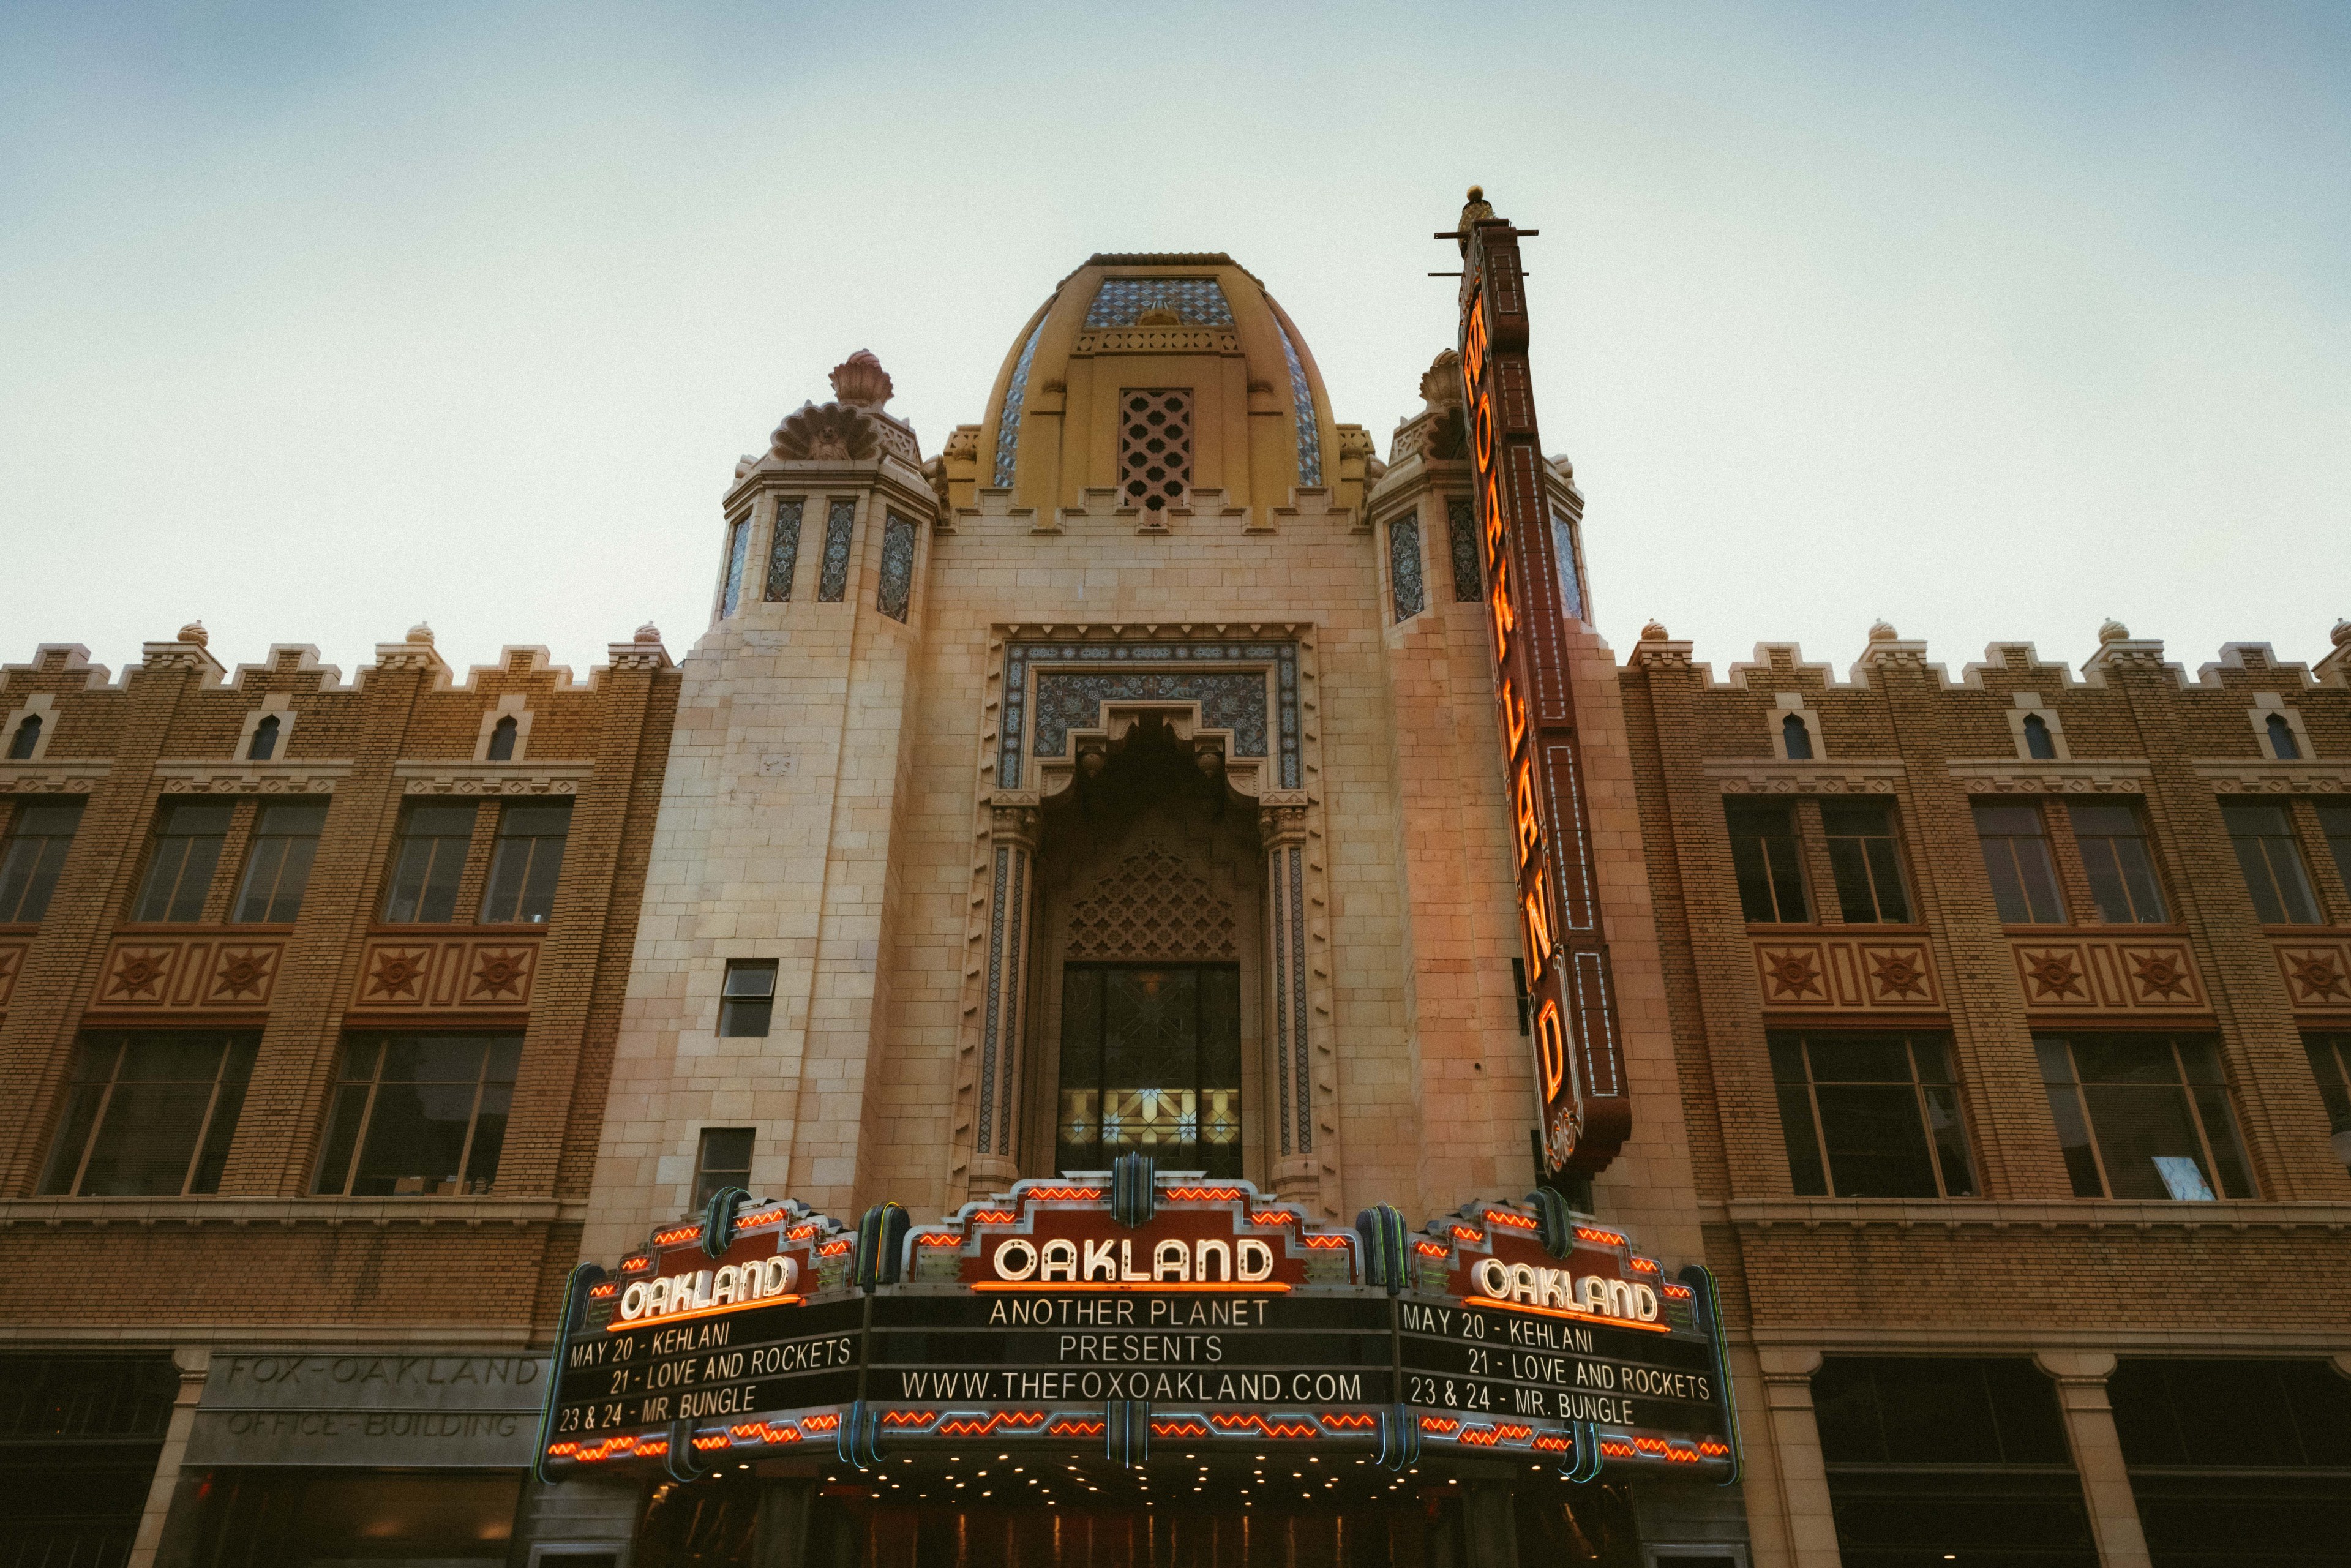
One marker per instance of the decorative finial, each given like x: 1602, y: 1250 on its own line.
x: 2341, y: 635
x: 1654, y: 632
x: 1883, y: 632
x: 1475, y: 209
x: 648, y: 632
x: 2112, y: 630
x: 859, y: 380
x: 1440, y: 384
x: 420, y: 633
x: 193, y: 631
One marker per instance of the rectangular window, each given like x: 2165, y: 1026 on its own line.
x: 2272, y: 861
x: 747, y: 1000
x: 188, y: 839
x: 38, y: 837
x: 1764, y: 855
x: 1873, y: 1115
x: 149, y: 1113
x: 783, y: 549
x: 2143, y: 1116
x: 1150, y: 1062
x: 2330, y: 1063
x: 277, y: 868
x: 1868, y: 863
x: 723, y: 1160
x: 427, y: 862
x: 419, y: 1115
x: 2122, y: 873
x: 738, y: 554
x: 2016, y: 858
x: 2335, y: 821
x: 526, y: 863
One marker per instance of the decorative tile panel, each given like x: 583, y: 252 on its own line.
x: 448, y: 973
x: 840, y: 521
x: 12, y: 963
x: 1409, y: 593
x: 1229, y: 699
x: 1853, y: 973
x: 1309, y: 434
x: 1193, y: 301
x: 1461, y: 534
x: 2107, y: 974
x: 184, y: 973
x: 2316, y: 970
x: 897, y: 566
x: 784, y: 550
x: 1016, y: 394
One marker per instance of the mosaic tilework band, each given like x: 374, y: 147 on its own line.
x: 1193, y: 301
x: 1233, y: 700
x: 1309, y: 435
x: 1281, y: 992
x: 1016, y: 394
x: 1298, y: 1000
x: 995, y: 993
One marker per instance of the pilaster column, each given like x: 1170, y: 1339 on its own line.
x: 1796, y: 1453
x: 1281, y: 829
x: 195, y: 1362
x: 2081, y: 1377
x: 1013, y: 832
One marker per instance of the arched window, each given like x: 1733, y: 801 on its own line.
x: 502, y: 739
x: 27, y: 736
x: 1799, y: 739
x: 265, y: 740
x: 2038, y: 742
x: 2281, y: 742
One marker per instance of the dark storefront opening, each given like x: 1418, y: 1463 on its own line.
x: 281, y: 1518
x: 2238, y: 1462
x: 1935, y: 1458
x: 1355, y: 1518
x: 80, y: 1436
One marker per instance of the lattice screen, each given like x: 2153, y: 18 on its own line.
x: 1155, y: 446
x: 1153, y: 908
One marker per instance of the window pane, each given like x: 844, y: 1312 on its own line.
x: 2331, y: 1065
x: 430, y: 1099
x: 342, y: 1133
x: 2272, y: 862
x: 747, y: 1007
x: 2016, y: 858
x: 1886, y: 876
x: 428, y: 863
x: 2066, y: 1109
x: 1943, y: 1125
x: 527, y: 861
x: 723, y: 1160
x: 1876, y: 1148
x: 1764, y: 855
x: 38, y: 839
x: 2136, y: 1125
x: 1077, y: 1140
x: 1855, y: 899
x: 1859, y: 1059
x: 2335, y: 822
x: 141, y: 1139
x: 1804, y: 1168
x: 188, y: 838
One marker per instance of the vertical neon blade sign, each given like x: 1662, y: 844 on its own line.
x: 1579, y: 1067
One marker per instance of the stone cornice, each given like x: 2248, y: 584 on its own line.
x: 1766, y: 776
x: 1765, y: 1214
x: 234, y: 778
x: 54, y: 776
x: 243, y: 1213
x: 2010, y: 776
x: 2277, y: 778
x: 453, y: 777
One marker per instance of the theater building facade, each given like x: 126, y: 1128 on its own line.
x: 1150, y: 992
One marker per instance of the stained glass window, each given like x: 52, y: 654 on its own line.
x: 897, y: 566
x: 1151, y: 1063
x: 784, y: 550
x: 1301, y: 397
x: 1007, y: 424
x: 1411, y: 594
x: 738, y: 552
x: 1461, y: 534
x: 833, y: 584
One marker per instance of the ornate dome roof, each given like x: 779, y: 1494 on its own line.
x: 1255, y: 418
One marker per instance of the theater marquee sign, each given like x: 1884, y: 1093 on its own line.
x: 1117, y: 1314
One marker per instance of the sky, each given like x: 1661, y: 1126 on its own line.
x: 1992, y: 321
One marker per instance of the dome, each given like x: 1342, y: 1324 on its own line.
x: 1156, y: 375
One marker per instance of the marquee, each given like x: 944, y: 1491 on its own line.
x: 1116, y: 1310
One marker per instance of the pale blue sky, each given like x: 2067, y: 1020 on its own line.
x: 1993, y: 321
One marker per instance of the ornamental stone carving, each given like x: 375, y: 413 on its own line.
x: 830, y: 433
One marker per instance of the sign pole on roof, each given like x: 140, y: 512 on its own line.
x: 1529, y: 560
